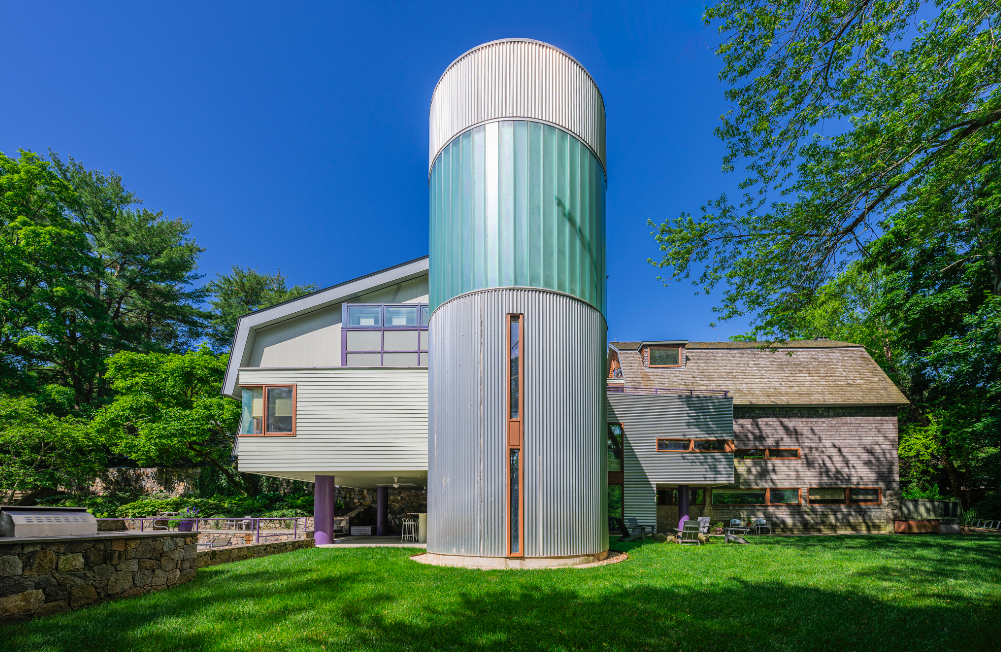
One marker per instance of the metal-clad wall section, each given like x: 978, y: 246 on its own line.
x: 358, y: 419
x: 517, y: 78
x: 565, y: 465
x: 644, y: 418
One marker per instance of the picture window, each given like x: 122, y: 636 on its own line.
x: 770, y: 496
x: 268, y: 410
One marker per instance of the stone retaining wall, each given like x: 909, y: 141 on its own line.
x: 214, y: 557
x: 45, y: 576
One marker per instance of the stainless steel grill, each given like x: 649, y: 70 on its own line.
x: 18, y: 521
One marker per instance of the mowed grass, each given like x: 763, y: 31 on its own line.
x: 797, y: 593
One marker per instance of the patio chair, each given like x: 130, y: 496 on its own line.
x: 636, y: 531
x: 761, y: 524
x: 163, y: 523
x: 616, y: 524
x: 690, y: 533
x: 409, y: 529
x: 245, y: 524
x: 704, y: 525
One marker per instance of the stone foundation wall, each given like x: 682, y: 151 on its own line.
x: 147, y: 481
x: 247, y: 538
x: 226, y: 555
x: 41, y: 577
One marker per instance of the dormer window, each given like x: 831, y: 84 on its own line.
x: 664, y: 356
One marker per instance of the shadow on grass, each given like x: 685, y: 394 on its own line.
x: 380, y: 600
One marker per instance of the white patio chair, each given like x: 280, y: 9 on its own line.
x: 409, y: 530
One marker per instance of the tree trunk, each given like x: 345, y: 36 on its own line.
x: 955, y: 481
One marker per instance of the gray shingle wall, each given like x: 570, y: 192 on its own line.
x: 839, y: 447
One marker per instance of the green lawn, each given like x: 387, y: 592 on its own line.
x: 798, y: 593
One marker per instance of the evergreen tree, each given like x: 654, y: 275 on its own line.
x: 242, y: 292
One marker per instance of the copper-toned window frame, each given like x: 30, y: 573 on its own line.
x: 847, y: 501
x: 768, y: 497
x: 727, y: 445
x: 705, y: 497
x: 649, y: 357
x: 264, y: 410
x: 515, y: 434
x: 799, y: 454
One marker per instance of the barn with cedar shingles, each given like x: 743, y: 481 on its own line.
x: 813, y: 428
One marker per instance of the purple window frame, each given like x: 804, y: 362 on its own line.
x: 382, y: 320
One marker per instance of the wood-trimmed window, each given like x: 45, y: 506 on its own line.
x: 845, y: 496
x: 268, y: 411
x: 766, y: 454
x: 671, y: 496
x: 663, y: 356
x: 515, y: 432
x: 771, y: 496
x: 669, y: 445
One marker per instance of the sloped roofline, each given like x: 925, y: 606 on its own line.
x: 309, y: 303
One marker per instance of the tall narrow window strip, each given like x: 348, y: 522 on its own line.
x: 515, y: 434
x: 515, y: 368
x: 515, y: 505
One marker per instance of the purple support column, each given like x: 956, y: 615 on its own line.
x: 324, y: 500
x: 683, y: 496
x: 381, y: 504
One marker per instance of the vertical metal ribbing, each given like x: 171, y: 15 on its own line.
x: 564, y: 440
x: 517, y: 78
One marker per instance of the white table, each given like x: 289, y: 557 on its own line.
x: 422, y: 526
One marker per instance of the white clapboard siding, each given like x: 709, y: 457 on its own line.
x: 347, y: 419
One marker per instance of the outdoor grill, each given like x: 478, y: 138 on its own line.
x: 18, y: 521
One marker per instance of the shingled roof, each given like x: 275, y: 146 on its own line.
x: 813, y: 372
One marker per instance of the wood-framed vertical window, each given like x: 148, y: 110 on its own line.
x: 515, y: 435
x: 268, y: 410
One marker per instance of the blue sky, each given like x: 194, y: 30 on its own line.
x: 294, y: 135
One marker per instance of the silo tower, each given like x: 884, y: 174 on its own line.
x: 516, y: 440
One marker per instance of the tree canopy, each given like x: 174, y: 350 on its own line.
x: 244, y: 291
x: 844, y: 115
x: 41, y: 451
x: 870, y: 208
x: 168, y: 410
x: 86, y: 272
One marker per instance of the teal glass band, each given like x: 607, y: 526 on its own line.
x: 517, y: 203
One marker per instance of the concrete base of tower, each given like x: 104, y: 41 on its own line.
x: 500, y: 563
